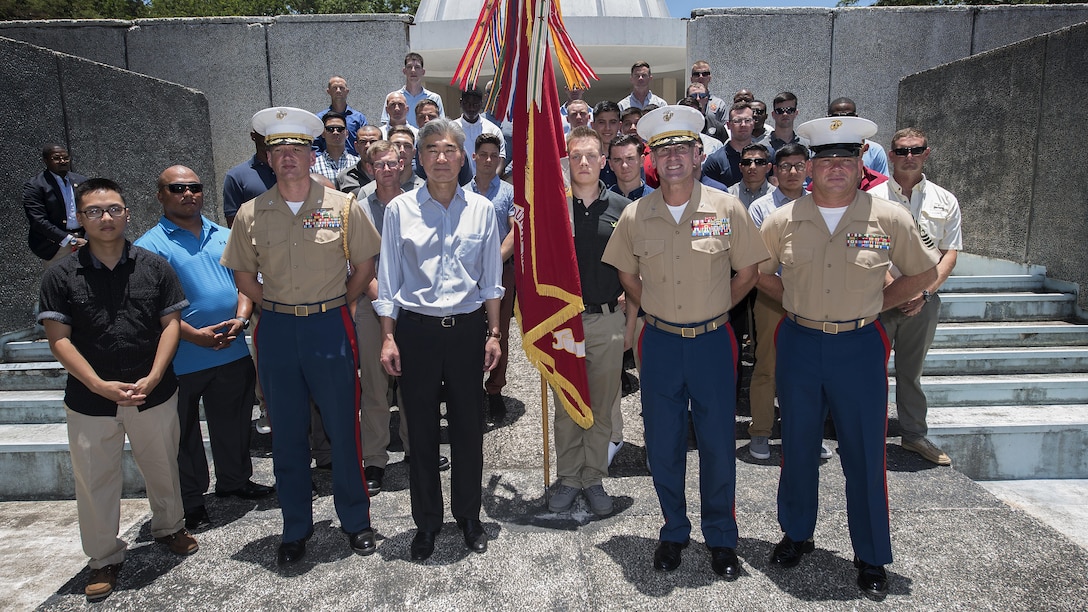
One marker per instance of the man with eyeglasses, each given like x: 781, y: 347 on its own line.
x: 873, y: 155
x: 911, y: 326
x: 50, y: 206
x: 713, y: 126
x: 700, y: 73
x: 834, y: 248
x: 501, y: 195
x: 112, y: 315
x: 785, y: 113
x: 404, y: 142
x: 351, y: 179
x: 335, y: 158
x: 212, y: 362
x: 303, y: 238
x: 755, y: 164
x: 674, y: 250
x: 724, y: 165
x: 338, y: 103
x: 439, y: 294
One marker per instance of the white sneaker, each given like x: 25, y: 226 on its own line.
x: 262, y: 424
x: 825, y: 452
x: 613, y: 448
x: 562, y: 498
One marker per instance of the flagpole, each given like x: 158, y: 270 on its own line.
x: 544, y: 423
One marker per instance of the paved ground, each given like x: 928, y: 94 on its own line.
x: 956, y: 545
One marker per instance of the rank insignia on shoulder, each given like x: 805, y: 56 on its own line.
x: 709, y: 226
x: 322, y: 218
x: 868, y: 241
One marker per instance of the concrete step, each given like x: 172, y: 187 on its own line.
x: 1002, y: 390
x: 993, y: 282
x: 22, y: 352
x: 35, y: 464
x: 1048, y: 306
x: 1018, y: 360
x: 1014, y: 442
x: 1014, y: 334
x: 32, y: 376
x: 32, y: 407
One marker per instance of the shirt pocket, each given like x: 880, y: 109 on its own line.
x: 268, y: 239
x: 468, y: 247
x: 707, y: 255
x: 651, y: 259
x: 325, y: 248
x: 866, y: 269
x: 797, y: 272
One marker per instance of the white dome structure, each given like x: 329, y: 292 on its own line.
x: 611, y: 34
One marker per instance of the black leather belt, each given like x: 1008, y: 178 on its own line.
x: 832, y: 327
x: 612, y: 306
x: 686, y: 330
x: 446, y: 321
x: 305, y: 310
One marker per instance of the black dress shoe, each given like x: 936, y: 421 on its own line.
x: 362, y: 542
x: 667, y: 555
x: 250, y: 490
x: 475, y: 536
x: 374, y: 476
x: 423, y: 545
x: 496, y: 408
x: 872, y: 579
x: 197, y: 518
x: 292, y: 552
x: 443, y: 462
x: 788, y: 553
x: 724, y: 562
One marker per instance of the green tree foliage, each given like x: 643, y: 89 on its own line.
x: 134, y: 9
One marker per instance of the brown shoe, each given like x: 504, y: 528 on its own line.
x: 180, y: 543
x: 927, y: 450
x: 101, y: 583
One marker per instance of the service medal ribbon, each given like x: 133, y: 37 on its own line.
x: 324, y: 218
x: 880, y: 242
x: 710, y: 226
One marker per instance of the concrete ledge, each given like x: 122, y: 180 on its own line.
x: 963, y: 307
x: 1019, y: 360
x: 1022, y: 389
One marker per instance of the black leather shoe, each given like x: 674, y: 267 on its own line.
x: 788, y: 553
x: 197, y: 518
x: 724, y: 562
x: 362, y: 542
x: 292, y: 552
x: 496, y: 408
x: 872, y: 579
x: 443, y: 462
x: 250, y: 490
x: 667, y: 555
x: 374, y: 476
x: 475, y: 536
x: 423, y: 545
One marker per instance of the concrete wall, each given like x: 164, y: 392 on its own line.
x: 243, y: 64
x: 1006, y: 128
x: 860, y: 53
x: 117, y: 124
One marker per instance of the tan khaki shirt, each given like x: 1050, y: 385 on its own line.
x: 840, y: 276
x: 685, y: 267
x: 300, y: 257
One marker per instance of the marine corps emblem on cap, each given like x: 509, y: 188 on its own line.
x: 836, y: 136
x: 671, y: 125
x: 287, y: 125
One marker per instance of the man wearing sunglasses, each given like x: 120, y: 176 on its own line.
x: 755, y: 164
x: 872, y: 155
x: 50, y: 206
x: 724, y: 165
x: 713, y: 126
x: 911, y: 326
x: 785, y: 113
x: 335, y: 158
x: 112, y: 315
x: 700, y: 73
x: 212, y: 362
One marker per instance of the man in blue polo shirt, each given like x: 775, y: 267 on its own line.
x: 212, y: 361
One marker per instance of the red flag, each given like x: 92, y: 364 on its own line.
x: 548, y: 288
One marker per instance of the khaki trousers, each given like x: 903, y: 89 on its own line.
x: 96, y: 444
x: 617, y: 411
x: 581, y: 455
x: 374, y: 402
x: 767, y: 313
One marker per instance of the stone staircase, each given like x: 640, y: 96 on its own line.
x: 1007, y: 376
x: 1007, y: 382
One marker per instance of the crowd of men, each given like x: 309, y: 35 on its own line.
x: 383, y: 254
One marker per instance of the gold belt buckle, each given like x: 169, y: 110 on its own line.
x: 302, y: 311
x: 687, y: 332
x: 830, y: 328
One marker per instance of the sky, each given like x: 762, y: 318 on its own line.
x: 682, y: 8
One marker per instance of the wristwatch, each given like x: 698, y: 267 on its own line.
x: 927, y: 296
x: 245, y: 322
x: 495, y: 335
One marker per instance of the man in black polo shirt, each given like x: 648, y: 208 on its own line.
x: 581, y: 455
x: 112, y: 315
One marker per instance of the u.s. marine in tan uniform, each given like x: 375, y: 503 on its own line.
x: 834, y: 247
